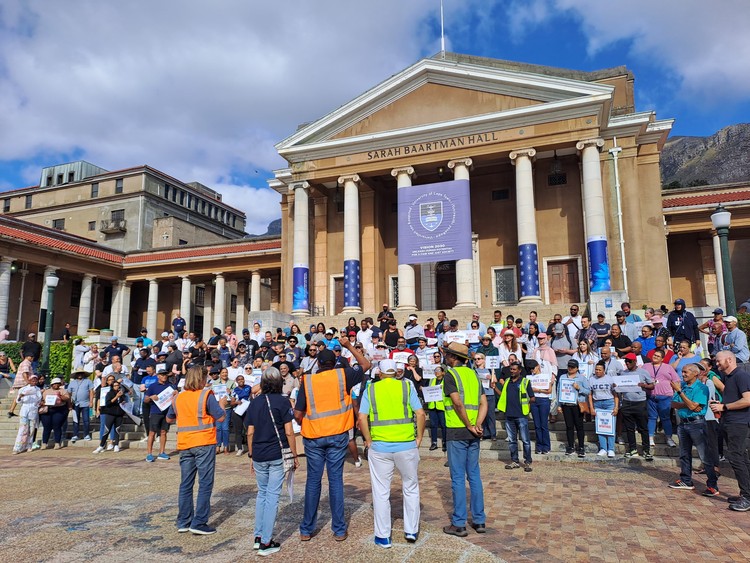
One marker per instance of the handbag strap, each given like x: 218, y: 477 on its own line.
x: 278, y: 437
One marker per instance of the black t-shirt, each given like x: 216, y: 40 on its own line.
x: 735, y: 384
x: 265, y: 442
x: 353, y: 376
x: 621, y: 341
x: 449, y: 386
x: 384, y: 318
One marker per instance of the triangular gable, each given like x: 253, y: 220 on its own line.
x: 507, y: 90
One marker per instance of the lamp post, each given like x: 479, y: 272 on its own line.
x: 52, y: 281
x: 721, y: 219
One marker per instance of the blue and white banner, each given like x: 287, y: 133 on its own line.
x: 599, y: 277
x: 434, y: 222
x: 351, y: 283
x: 301, y: 288
x: 528, y: 262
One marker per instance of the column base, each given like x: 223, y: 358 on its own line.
x: 406, y: 308
x: 465, y: 305
x: 607, y: 302
x: 351, y: 311
x: 530, y: 300
x: 301, y: 313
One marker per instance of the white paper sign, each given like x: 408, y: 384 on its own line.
x: 568, y: 394
x: 164, y: 399
x: 457, y: 336
x: 220, y: 390
x: 605, y: 423
x: 627, y: 382
x: 431, y: 341
x: 242, y: 407
x: 492, y: 362
x: 432, y: 394
x: 472, y: 336
x: 128, y: 409
x: 254, y: 379
x: 50, y: 400
x: 401, y: 357
x: 103, y: 395
x: 428, y: 371
x: 539, y: 381
x: 379, y: 354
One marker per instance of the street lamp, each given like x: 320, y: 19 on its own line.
x: 721, y: 219
x: 52, y: 281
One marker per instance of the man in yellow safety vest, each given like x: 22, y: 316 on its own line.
x: 515, y: 403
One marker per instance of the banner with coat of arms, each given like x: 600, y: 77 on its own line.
x: 434, y: 222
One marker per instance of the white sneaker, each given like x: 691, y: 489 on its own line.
x: 74, y: 439
x: 620, y: 441
x: 117, y: 449
x: 98, y: 450
x: 651, y: 441
x: 670, y: 442
x: 602, y: 453
x: 110, y: 447
x: 87, y: 438
x: 611, y: 453
x: 358, y: 463
x: 239, y: 453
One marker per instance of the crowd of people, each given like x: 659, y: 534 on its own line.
x: 386, y: 383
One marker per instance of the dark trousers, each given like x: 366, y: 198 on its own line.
x: 437, y: 422
x: 489, y: 429
x: 635, y: 415
x: 713, y: 437
x: 238, y: 427
x: 53, y: 421
x: 694, y: 434
x: 573, y: 424
x: 110, y: 423
x: 735, y: 438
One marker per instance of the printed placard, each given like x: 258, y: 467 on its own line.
x: 539, y: 380
x: 605, y: 423
x: 220, y: 390
x: 164, y: 399
x: 457, y: 336
x: 428, y: 371
x: 242, y: 407
x: 472, y: 336
x: 401, y: 357
x: 627, y: 382
x: 433, y: 393
x: 50, y: 400
x: 492, y: 362
x: 568, y: 393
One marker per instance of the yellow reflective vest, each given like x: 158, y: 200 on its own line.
x: 390, y: 410
x: 523, y: 392
x: 470, y: 392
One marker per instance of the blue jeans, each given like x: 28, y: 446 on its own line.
x: 82, y: 414
x: 489, y: 429
x: 327, y: 453
x: 463, y: 461
x: 694, y: 434
x: 270, y: 478
x: 437, y: 422
x: 605, y: 442
x: 222, y: 430
x: 540, y: 413
x: 659, y: 407
x: 200, y: 460
x: 515, y: 426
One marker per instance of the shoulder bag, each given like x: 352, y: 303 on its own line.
x: 286, y: 453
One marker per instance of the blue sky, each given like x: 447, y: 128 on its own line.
x: 204, y: 90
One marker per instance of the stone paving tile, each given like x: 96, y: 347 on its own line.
x: 71, y: 506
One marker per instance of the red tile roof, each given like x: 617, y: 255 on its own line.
x: 58, y: 242
x: 232, y: 247
x: 706, y: 199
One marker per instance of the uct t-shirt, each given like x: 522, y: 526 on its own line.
x: 601, y: 387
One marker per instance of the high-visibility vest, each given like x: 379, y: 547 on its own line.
x: 523, y: 394
x: 329, y: 405
x: 195, y: 426
x: 469, y: 390
x: 390, y: 410
x: 436, y: 405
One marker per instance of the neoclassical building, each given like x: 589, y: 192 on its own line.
x: 563, y: 202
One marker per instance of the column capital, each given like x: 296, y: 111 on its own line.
x: 255, y: 273
x: 597, y: 142
x: 460, y: 161
x: 185, y: 277
x: 50, y: 270
x: 152, y: 280
x: 89, y: 277
x: 529, y: 152
x: 7, y: 260
x: 348, y: 178
x: 299, y: 185
x: 219, y: 276
x: 409, y: 170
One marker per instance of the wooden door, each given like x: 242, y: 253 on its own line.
x: 338, y: 300
x: 445, y: 285
x: 563, y: 281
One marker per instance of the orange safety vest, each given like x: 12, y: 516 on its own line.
x: 329, y: 405
x: 195, y: 426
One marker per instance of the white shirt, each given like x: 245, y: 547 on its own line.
x: 364, y: 337
x: 573, y: 327
x: 234, y: 372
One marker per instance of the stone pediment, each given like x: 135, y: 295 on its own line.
x: 440, y: 96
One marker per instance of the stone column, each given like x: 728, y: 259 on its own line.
x: 152, y: 308
x: 465, y: 296
x: 208, y: 311
x: 528, y: 254
x: 301, y: 252
x: 43, y: 302
x: 593, y: 211
x: 241, y: 306
x: 719, y: 271
x: 185, y: 301
x: 122, y: 331
x: 407, y: 293
x: 255, y: 291
x: 5, y: 265
x: 352, y: 234
x: 220, y: 302
x: 84, y: 306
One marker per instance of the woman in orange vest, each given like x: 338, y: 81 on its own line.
x: 196, y: 411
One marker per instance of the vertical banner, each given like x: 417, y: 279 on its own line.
x: 301, y: 285
x: 434, y: 222
x: 351, y: 283
x: 528, y: 261
x: 599, y: 279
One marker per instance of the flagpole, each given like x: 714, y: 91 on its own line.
x: 442, y: 32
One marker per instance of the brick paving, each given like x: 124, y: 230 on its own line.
x: 69, y: 505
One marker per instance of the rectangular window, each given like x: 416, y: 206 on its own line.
x: 504, y: 280
x: 394, y: 291
x: 182, y: 242
x: 6, y: 205
x: 58, y: 224
x: 92, y: 225
x: 200, y: 296
x: 166, y: 191
x: 203, y: 207
x: 107, y: 299
x: 499, y: 195
x: 233, y: 304
x: 117, y: 215
x: 27, y: 204
x: 189, y: 201
x: 75, y: 293
x: 49, y: 181
x: 118, y: 186
x: 182, y: 197
x: 59, y: 179
x: 560, y: 179
x: 71, y: 176
x: 95, y: 189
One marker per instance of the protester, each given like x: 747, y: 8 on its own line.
x: 389, y: 407
x: 603, y: 398
x: 682, y: 325
x: 158, y: 422
x: 436, y: 410
x: 29, y: 397
x: 54, y: 412
x: 241, y: 393
x: 514, y: 402
x: 112, y: 415
x: 570, y: 409
x: 541, y: 406
x: 489, y: 382
x: 634, y: 408
x: 196, y: 412
x: 659, y: 401
x: 735, y: 341
x: 81, y: 390
x: 269, y: 433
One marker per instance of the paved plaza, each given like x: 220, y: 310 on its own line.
x: 70, y: 505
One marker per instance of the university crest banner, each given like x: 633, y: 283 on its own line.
x: 434, y: 222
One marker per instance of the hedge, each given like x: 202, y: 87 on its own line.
x: 60, y: 356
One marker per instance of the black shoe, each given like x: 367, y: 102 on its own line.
x: 581, y: 453
x: 647, y: 456
x: 445, y: 448
x: 734, y: 499
x: 479, y: 528
x: 256, y: 543
x: 742, y: 505
x: 11, y: 414
x: 269, y: 548
x: 527, y: 467
x: 569, y: 451
x: 433, y: 447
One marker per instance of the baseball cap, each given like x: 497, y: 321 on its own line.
x: 55, y: 380
x: 559, y: 328
x: 164, y: 334
x: 337, y: 348
x: 412, y: 317
x: 600, y: 315
x: 620, y: 314
x: 162, y: 370
x: 730, y: 319
x: 387, y: 366
x: 572, y: 363
x: 631, y: 356
x: 718, y: 311
x: 245, y: 331
x: 32, y: 335
x: 329, y: 331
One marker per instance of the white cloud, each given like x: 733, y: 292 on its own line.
x: 261, y: 205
